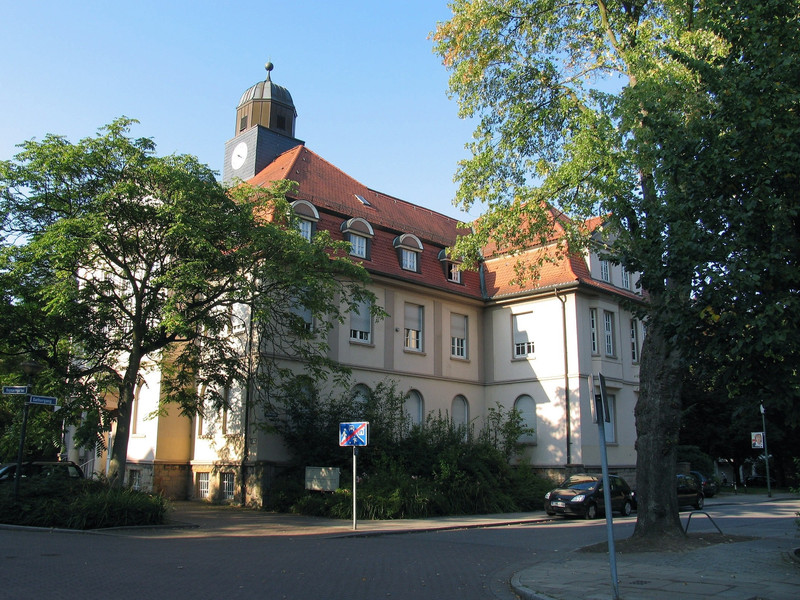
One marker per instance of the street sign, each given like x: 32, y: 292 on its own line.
x: 47, y: 400
x: 15, y: 389
x: 353, y: 434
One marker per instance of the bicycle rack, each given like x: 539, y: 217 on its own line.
x: 701, y: 512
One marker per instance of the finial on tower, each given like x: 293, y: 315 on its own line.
x: 269, y: 66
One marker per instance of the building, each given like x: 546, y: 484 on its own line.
x: 459, y: 342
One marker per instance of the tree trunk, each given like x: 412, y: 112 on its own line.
x: 119, y: 449
x: 658, y: 415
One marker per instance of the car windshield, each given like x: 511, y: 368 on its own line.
x: 580, y: 483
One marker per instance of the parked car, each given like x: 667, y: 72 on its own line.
x: 708, y: 485
x: 582, y: 496
x: 42, y: 468
x: 689, y: 491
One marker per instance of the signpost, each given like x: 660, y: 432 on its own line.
x: 30, y: 368
x: 602, y: 415
x: 354, y: 434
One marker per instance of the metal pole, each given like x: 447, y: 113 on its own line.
x: 600, y: 412
x: 21, y: 451
x: 355, y: 516
x: 766, y: 454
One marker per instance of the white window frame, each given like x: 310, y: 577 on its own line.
x: 203, y: 484
x: 305, y: 227
x: 526, y: 406
x: 608, y: 333
x: 228, y: 485
x: 415, y: 407
x: 626, y: 279
x: 361, y: 324
x: 593, y: 325
x: 522, y: 332
x: 634, y: 340
x: 358, y: 245
x: 605, y: 271
x: 453, y: 272
x: 413, y: 323
x: 410, y: 261
x: 459, y: 326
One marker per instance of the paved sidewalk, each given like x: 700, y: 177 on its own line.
x: 765, y: 568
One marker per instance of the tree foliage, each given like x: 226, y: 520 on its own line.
x: 116, y: 261
x: 649, y: 114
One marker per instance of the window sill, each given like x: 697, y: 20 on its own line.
x: 413, y: 351
x: 360, y: 343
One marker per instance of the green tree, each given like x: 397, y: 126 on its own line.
x: 582, y: 106
x: 137, y: 261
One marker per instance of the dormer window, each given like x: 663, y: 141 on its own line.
x: 359, y: 233
x: 409, y: 249
x: 451, y: 268
x: 307, y: 217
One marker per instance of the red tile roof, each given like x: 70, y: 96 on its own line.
x: 334, y: 193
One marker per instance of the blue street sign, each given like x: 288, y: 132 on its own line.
x: 15, y: 389
x: 48, y: 400
x: 353, y: 434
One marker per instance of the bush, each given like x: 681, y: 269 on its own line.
x: 433, y: 469
x: 65, y: 503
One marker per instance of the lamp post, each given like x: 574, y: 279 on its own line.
x: 31, y: 368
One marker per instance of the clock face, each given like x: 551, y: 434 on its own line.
x: 239, y: 155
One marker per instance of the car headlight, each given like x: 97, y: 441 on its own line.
x: 579, y: 498
x: 547, y: 496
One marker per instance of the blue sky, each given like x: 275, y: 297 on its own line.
x: 371, y: 95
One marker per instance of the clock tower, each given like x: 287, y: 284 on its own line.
x: 265, y: 120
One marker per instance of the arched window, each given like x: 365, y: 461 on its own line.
x: 460, y: 410
x: 415, y: 407
x: 361, y: 395
x: 527, y: 410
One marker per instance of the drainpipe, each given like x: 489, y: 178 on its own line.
x: 247, y: 391
x: 567, y: 416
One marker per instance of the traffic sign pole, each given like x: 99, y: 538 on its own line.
x: 355, y: 514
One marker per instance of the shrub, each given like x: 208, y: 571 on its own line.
x: 410, y: 471
x: 79, y: 504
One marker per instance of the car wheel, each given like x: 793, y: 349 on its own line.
x: 700, y: 502
x: 591, y: 511
x: 550, y: 514
x: 626, y: 509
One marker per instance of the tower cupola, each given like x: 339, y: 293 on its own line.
x: 266, y: 104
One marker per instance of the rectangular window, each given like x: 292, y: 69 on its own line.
x: 303, y: 313
x: 605, y: 271
x: 227, y: 486
x: 202, y: 485
x: 593, y: 316
x: 634, y: 340
x: 523, y: 335
x: 611, y: 430
x: 135, y: 479
x: 608, y: 330
x: 358, y: 245
x: 413, y: 326
x: 626, y: 279
x: 453, y: 273
x: 361, y: 324
x: 458, y: 335
x: 409, y: 259
x: 305, y: 228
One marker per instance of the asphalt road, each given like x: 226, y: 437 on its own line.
x: 467, y: 564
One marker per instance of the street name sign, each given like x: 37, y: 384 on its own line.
x: 47, y: 400
x: 15, y: 389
